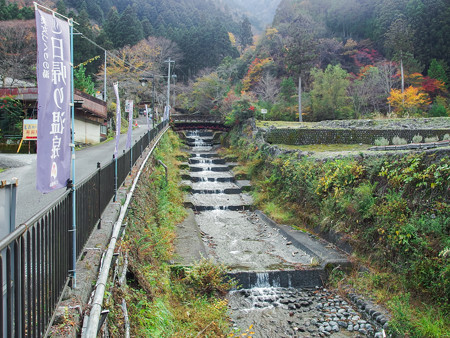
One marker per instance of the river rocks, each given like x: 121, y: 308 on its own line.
x: 299, y: 313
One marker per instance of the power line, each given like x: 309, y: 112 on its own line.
x: 147, y: 73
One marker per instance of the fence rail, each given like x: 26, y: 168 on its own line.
x: 36, y: 259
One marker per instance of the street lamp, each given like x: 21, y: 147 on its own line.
x: 144, y: 83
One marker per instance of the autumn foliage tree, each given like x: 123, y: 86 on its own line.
x: 255, y: 72
x: 17, y: 50
x: 130, y: 64
x: 411, y: 101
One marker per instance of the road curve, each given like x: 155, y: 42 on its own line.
x: 23, y: 167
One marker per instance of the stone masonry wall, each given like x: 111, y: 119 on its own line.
x: 345, y: 136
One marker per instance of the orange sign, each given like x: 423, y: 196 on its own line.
x: 30, y: 129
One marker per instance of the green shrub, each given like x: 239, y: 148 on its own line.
x: 417, y: 138
x: 437, y: 110
x: 446, y: 137
x: 208, y: 278
x: 11, y: 116
x: 394, y: 209
x: 381, y: 142
x: 398, y: 141
x: 431, y: 139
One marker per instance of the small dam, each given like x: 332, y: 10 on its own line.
x: 280, y: 271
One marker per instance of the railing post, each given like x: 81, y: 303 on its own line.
x: 115, y: 178
x: 131, y: 158
x: 99, y: 188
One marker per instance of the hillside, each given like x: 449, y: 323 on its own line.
x: 260, y: 13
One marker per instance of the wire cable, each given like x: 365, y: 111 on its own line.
x: 111, y: 54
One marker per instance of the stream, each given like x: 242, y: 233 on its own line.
x: 270, y: 302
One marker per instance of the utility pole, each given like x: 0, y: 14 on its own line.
x: 104, y: 80
x: 168, y: 82
x: 300, y: 118
x: 153, y: 101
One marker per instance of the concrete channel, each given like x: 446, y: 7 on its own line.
x: 280, y: 271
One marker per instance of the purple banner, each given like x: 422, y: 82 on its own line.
x: 148, y: 118
x: 54, y: 97
x: 118, y: 118
x: 166, y: 113
x: 129, y: 110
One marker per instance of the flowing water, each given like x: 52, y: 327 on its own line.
x: 236, y: 236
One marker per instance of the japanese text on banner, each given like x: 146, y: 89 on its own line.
x: 54, y: 85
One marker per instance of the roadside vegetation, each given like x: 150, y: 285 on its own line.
x: 326, y: 147
x: 165, y: 301
x: 394, y: 211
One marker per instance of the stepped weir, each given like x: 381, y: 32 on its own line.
x: 280, y: 271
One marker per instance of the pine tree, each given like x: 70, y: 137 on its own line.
x: 245, y: 33
x: 129, y: 28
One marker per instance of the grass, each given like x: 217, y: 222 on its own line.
x: 327, y: 147
x: 356, y: 198
x: 166, y: 301
x: 284, y: 124
x: 408, y: 318
x: 376, y: 122
x: 2, y: 170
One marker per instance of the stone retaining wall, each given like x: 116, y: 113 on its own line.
x: 346, y: 136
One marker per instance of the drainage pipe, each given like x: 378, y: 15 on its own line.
x: 165, y: 169
x: 96, y: 309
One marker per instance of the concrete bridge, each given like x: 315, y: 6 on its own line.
x: 193, y: 121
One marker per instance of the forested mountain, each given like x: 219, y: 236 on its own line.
x: 416, y: 28
x: 355, y: 57
x: 199, y: 27
x: 365, y: 44
x: 260, y: 12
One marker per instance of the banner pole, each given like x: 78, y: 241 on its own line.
x: 74, y: 200
x: 115, y: 178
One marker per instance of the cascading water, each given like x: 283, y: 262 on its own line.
x: 253, y: 249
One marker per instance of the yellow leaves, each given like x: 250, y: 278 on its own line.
x: 255, y: 72
x: 88, y: 61
x: 411, y: 100
x: 271, y: 32
x: 248, y: 333
x: 232, y: 39
x: 132, y: 61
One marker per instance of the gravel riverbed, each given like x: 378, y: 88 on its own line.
x: 289, y: 312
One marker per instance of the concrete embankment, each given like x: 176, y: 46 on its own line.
x: 280, y: 270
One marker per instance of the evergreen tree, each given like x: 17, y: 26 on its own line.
x: 147, y: 28
x: 245, y: 33
x: 288, y: 91
x: 110, y: 27
x: 129, y: 28
x: 438, y: 70
x: 61, y: 7
x: 329, y: 98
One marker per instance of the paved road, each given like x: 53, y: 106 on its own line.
x: 22, y: 166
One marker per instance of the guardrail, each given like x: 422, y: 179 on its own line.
x: 35, y: 259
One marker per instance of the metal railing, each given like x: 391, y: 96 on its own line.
x: 35, y: 259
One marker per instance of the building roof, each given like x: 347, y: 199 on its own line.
x: 86, y: 102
